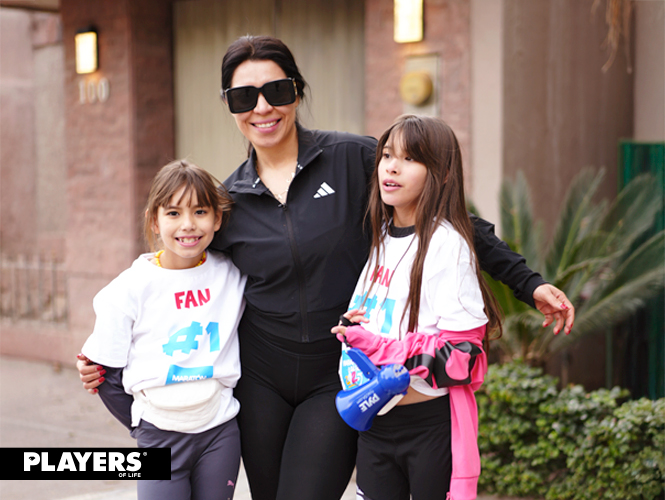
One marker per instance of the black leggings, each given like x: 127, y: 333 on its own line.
x: 294, y: 444
x: 406, y: 454
x: 204, y: 466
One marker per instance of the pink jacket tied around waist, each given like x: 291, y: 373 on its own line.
x: 463, y: 408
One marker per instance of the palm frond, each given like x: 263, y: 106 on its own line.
x: 597, y: 257
x: 505, y: 297
x: 517, y: 225
x: 592, y: 220
x: 570, y: 278
x: 645, y: 259
x: 613, y: 308
x: 632, y: 213
x: 575, y: 208
x: 524, y: 329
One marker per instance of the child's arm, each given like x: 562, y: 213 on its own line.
x: 442, y: 360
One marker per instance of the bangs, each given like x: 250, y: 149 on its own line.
x: 409, y: 135
x: 194, y: 182
x: 427, y: 140
x: 194, y: 186
x: 192, y: 191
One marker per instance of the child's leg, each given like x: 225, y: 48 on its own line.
x: 203, y: 465
x: 378, y: 474
x: 149, y: 436
x: 407, y: 451
x: 215, y: 473
x: 177, y: 488
x: 430, y: 469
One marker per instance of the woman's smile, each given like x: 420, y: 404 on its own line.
x: 267, y: 127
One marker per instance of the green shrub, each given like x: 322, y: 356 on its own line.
x: 539, y: 442
x: 508, y: 406
x: 620, y: 456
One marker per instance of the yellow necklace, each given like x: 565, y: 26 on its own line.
x: 159, y: 254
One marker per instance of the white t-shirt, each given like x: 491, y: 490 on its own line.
x: 450, y: 297
x: 166, y: 326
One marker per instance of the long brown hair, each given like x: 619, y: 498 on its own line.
x: 171, y: 177
x: 432, y: 142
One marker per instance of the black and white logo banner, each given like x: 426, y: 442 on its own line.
x: 86, y: 463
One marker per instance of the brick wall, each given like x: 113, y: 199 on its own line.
x: 112, y: 151
x: 447, y: 33
x: 33, y: 211
x: 18, y: 218
x: 115, y: 147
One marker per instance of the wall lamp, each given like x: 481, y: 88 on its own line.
x: 86, y: 51
x: 408, y: 21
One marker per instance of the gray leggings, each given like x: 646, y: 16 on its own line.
x: 204, y: 466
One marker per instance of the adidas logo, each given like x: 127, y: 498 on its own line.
x: 324, y: 190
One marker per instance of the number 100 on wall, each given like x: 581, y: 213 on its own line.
x: 93, y: 90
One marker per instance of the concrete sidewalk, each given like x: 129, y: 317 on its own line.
x: 44, y: 405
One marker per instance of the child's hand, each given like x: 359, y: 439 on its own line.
x: 90, y: 373
x: 354, y: 316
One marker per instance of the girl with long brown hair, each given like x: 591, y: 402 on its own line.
x: 423, y: 303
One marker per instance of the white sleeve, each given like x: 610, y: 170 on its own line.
x: 454, y: 290
x: 111, y: 337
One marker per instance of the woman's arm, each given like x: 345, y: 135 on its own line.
x: 502, y: 264
x: 107, y: 382
x: 89, y: 373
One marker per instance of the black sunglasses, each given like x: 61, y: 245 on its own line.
x: 277, y: 93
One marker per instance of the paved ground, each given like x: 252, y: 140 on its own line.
x: 42, y: 405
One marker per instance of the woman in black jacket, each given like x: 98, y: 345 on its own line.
x: 296, y: 231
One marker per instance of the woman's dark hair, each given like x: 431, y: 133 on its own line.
x: 261, y: 48
x: 432, y: 142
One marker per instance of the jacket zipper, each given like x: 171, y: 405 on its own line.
x: 300, y: 272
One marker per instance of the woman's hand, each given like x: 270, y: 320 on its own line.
x: 354, y: 316
x: 90, y: 373
x: 554, y: 304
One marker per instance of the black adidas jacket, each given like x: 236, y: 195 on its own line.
x: 303, y: 258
